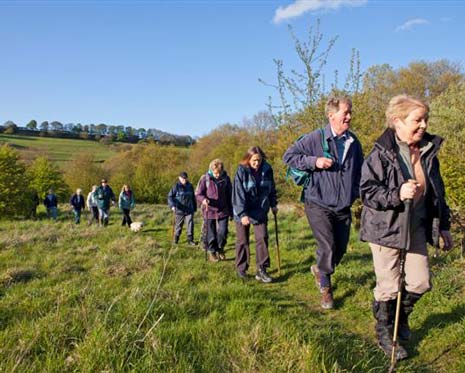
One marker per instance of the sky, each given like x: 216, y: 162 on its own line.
x: 186, y: 67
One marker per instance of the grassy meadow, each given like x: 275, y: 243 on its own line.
x: 57, y: 150
x: 79, y: 298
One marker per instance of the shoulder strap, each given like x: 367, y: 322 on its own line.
x: 324, y: 144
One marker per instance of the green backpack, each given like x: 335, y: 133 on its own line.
x: 302, y: 177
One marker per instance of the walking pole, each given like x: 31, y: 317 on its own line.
x: 173, y: 222
x: 205, y: 240
x: 402, y: 254
x: 277, y: 243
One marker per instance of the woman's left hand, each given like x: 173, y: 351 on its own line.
x: 447, y: 238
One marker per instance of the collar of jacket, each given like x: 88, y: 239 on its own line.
x: 329, y: 134
x: 387, y: 142
x: 264, y: 167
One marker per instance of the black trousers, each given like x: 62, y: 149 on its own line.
x: 215, y: 234
x: 331, y: 231
x: 126, y: 218
x: 179, y: 223
x: 262, y: 256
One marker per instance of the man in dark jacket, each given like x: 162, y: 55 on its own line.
x: 51, y: 203
x: 332, y: 188
x: 105, y: 196
x: 77, y: 202
x: 181, y: 200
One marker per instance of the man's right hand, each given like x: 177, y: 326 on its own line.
x: 323, y: 163
x: 245, y: 220
x: 173, y: 209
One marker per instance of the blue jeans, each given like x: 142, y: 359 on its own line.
x: 52, y: 212
x: 77, y: 216
x: 103, y: 215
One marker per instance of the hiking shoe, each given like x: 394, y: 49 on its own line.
x: 327, y: 301
x: 221, y: 256
x: 242, y: 275
x: 212, y: 257
x: 192, y: 243
x: 316, y: 274
x: 263, y: 276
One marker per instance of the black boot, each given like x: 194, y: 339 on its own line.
x: 384, y: 313
x: 406, y: 308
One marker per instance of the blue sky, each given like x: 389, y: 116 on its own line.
x: 186, y: 67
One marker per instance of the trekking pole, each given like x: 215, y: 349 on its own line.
x: 278, y: 257
x: 173, y: 222
x: 205, y: 239
x: 402, y: 254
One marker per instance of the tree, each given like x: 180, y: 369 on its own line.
x: 32, y: 125
x: 44, y: 175
x: 44, y: 126
x: 10, y: 127
x: 83, y: 172
x: 56, y: 126
x: 13, y: 183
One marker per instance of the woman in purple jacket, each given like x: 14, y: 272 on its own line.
x: 213, y: 193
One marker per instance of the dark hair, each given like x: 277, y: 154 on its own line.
x: 250, y: 153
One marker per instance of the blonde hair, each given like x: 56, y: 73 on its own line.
x: 125, y: 185
x: 332, y: 105
x: 400, y: 107
x: 216, y: 164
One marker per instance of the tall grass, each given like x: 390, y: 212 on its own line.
x: 79, y: 298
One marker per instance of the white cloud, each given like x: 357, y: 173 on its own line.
x: 411, y: 23
x: 299, y: 7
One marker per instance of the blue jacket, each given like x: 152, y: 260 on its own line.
x: 335, y: 188
x: 104, y: 196
x: 250, y: 199
x: 77, y: 201
x: 50, y: 202
x: 125, y: 201
x: 182, y: 198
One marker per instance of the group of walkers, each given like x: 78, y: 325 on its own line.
x: 98, y: 202
x: 399, y: 183
x: 400, y: 186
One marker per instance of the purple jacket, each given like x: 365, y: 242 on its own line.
x: 218, y: 193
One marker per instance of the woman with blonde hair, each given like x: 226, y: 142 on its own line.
x: 402, y: 193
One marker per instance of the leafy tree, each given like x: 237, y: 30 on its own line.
x: 56, y: 126
x: 13, y: 183
x: 32, y: 125
x: 83, y: 172
x: 44, y: 126
x: 44, y: 175
x: 10, y: 127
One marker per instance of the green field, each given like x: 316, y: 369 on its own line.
x: 87, y: 299
x: 57, y: 150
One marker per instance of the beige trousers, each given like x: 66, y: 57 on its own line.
x: 386, y: 262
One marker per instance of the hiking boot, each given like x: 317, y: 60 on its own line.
x: 212, y: 257
x: 327, y: 301
x: 384, y: 313
x: 221, y: 256
x: 191, y: 243
x: 407, y: 303
x: 316, y: 274
x: 176, y: 240
x: 263, y: 276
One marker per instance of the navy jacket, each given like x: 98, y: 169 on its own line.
x: 250, y: 199
x: 182, y: 198
x: 383, y: 216
x: 50, y: 202
x: 77, y: 201
x: 335, y: 188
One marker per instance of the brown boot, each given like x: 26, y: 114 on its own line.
x: 212, y: 257
x: 327, y: 301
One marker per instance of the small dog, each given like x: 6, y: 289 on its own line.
x: 136, y: 226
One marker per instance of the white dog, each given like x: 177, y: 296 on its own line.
x: 136, y: 226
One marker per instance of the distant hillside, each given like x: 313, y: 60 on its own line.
x: 57, y: 150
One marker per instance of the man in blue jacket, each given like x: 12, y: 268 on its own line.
x: 181, y: 200
x: 332, y: 188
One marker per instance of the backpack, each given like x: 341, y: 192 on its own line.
x: 207, y: 183
x: 302, y: 177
